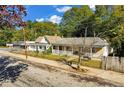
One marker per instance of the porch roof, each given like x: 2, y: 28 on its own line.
x: 89, y: 41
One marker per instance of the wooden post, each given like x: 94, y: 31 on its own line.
x: 58, y: 50
x: 65, y: 51
x: 25, y: 44
x: 91, y: 51
x: 72, y: 50
x: 36, y: 46
x: 79, y: 59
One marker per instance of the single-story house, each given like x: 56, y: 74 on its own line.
x: 93, y: 46
x: 21, y: 44
x: 42, y: 43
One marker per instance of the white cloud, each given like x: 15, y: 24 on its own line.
x: 92, y: 7
x: 40, y: 19
x: 63, y: 9
x: 55, y: 19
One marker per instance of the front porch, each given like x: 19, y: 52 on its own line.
x: 73, y: 50
x: 62, y: 50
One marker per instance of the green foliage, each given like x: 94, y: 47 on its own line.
x: 72, y: 17
x: 5, y: 36
x: 106, y: 22
x: 49, y: 51
x: 45, y: 28
x: 35, y: 29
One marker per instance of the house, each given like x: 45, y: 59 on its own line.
x: 21, y: 44
x: 42, y: 43
x: 92, y: 46
x: 89, y: 46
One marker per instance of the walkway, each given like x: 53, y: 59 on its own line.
x: 109, y: 75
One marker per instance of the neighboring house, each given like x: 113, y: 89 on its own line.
x: 9, y: 45
x: 21, y: 44
x: 42, y: 43
x: 93, y: 46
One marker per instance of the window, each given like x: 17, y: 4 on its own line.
x: 40, y: 47
x: 60, y: 47
x: 68, y: 48
x: 54, y: 47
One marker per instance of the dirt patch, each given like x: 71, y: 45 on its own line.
x: 87, y: 78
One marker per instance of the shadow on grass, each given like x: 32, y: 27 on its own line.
x: 10, y: 69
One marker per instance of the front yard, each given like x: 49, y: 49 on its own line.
x: 60, y: 58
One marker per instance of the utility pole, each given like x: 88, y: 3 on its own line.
x: 83, y: 48
x: 36, y: 43
x: 85, y: 35
x: 26, y: 54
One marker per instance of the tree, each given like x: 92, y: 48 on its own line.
x: 11, y: 15
x: 10, y: 18
x: 5, y: 36
x: 73, y: 17
x: 45, y: 28
x: 112, y: 29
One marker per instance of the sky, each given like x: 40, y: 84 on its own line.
x: 52, y: 13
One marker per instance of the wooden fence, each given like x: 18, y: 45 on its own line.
x: 112, y: 63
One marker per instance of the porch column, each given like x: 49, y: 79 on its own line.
x: 52, y: 49
x: 46, y: 47
x: 72, y: 49
x: 58, y: 49
x: 65, y: 52
x: 91, y: 51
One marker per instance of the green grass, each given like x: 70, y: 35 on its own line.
x: 92, y: 63
x: 3, y: 47
x: 88, y: 63
x: 45, y: 56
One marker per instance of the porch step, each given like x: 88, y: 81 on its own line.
x: 98, y: 54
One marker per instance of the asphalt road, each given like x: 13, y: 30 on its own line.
x: 18, y: 73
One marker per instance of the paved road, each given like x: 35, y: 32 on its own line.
x: 42, y: 72
x: 18, y: 73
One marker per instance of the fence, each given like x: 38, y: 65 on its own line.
x: 112, y: 63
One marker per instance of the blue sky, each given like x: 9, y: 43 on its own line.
x: 52, y: 13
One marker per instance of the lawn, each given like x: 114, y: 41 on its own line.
x: 44, y: 55
x: 89, y: 63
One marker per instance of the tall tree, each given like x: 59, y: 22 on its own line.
x: 10, y: 18
x: 11, y: 15
x: 72, y: 17
x: 45, y: 28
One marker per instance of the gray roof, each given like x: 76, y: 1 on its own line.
x: 50, y: 39
x: 22, y: 43
x: 89, y: 41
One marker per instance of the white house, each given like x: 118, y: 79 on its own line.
x: 91, y: 46
x: 43, y: 43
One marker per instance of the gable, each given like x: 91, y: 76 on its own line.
x: 43, y: 40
